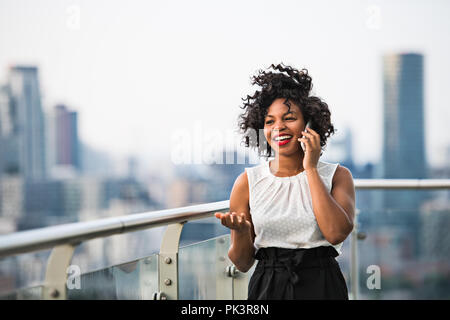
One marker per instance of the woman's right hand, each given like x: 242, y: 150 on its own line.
x: 234, y: 221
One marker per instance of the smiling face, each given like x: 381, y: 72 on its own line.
x: 282, y: 127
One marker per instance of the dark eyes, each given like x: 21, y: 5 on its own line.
x: 288, y: 118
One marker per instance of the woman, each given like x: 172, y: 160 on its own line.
x: 291, y: 213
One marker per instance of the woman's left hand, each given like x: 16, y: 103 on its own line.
x: 312, y: 148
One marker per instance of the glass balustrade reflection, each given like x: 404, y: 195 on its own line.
x: 31, y: 293
x: 406, y: 254
x: 203, y: 270
x: 136, y: 280
x: 21, y: 275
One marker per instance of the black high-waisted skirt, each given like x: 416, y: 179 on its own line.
x: 297, y: 274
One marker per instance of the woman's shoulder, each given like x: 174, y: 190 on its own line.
x: 336, y: 171
x: 242, y: 178
x: 343, y: 170
x: 249, y: 174
x: 240, y: 188
x: 342, y: 173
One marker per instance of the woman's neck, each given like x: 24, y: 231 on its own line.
x: 288, y: 166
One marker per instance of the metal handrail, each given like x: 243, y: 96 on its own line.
x: 402, y: 183
x: 73, y: 233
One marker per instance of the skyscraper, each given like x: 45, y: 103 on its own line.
x: 23, y: 124
x: 66, y: 137
x: 403, y: 154
x: 403, y: 129
x: 9, y: 155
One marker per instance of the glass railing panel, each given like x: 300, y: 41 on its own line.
x: 109, y: 269
x: 31, y: 293
x: 21, y: 275
x: 202, y: 270
x: 135, y: 280
x: 113, y: 250
x: 406, y: 252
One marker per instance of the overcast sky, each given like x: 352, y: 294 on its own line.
x: 136, y: 68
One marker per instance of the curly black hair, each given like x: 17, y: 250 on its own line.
x: 294, y: 86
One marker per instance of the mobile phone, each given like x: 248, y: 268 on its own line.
x: 308, y: 125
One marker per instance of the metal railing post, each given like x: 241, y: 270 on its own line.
x: 168, y: 263
x: 56, y: 272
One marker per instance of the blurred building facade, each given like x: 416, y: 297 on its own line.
x: 67, y: 149
x: 22, y: 123
x: 403, y: 154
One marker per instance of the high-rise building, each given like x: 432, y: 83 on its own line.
x: 403, y: 127
x: 403, y: 153
x: 9, y: 129
x: 23, y: 124
x: 66, y: 137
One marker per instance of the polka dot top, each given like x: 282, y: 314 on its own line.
x: 281, y: 208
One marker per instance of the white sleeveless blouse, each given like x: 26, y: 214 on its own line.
x: 281, y: 208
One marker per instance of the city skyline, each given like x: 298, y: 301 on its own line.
x: 62, y: 143
x: 119, y: 70
x: 108, y: 109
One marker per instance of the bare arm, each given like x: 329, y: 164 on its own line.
x: 334, y: 212
x: 239, y: 220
